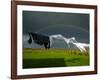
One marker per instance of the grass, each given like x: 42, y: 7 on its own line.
x: 39, y: 63
x: 40, y: 58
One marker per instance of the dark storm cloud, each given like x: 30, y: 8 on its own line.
x: 49, y: 23
x: 34, y: 21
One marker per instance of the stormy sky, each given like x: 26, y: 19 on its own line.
x: 51, y: 23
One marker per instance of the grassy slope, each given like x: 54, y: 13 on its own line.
x: 54, y: 57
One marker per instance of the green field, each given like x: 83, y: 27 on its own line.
x: 41, y: 58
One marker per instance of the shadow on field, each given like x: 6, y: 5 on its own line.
x: 42, y: 63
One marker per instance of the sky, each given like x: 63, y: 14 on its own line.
x: 51, y: 23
